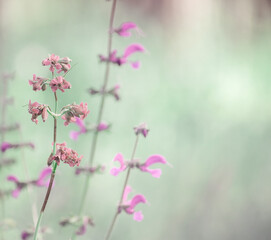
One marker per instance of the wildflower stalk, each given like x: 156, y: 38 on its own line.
x: 101, y: 108
x: 54, y: 166
x: 124, y: 186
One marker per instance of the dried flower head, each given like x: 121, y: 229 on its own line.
x: 38, y: 83
x: 36, y: 110
x: 73, y: 111
x: 55, y: 62
x: 59, y: 83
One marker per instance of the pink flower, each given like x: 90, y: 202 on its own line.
x: 102, y: 126
x: 59, y: 83
x: 40, y: 182
x: 124, y: 29
x: 74, y: 110
x: 118, y: 158
x: 42, y: 178
x: 67, y: 155
x: 129, y: 205
x: 131, y: 49
x: 82, y: 129
x: 36, y: 110
x: 150, y: 161
x: 5, y: 146
x: 142, y: 129
x: 38, y: 83
x: 60, y: 64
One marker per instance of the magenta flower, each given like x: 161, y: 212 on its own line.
x: 118, y: 158
x: 38, y: 83
x: 125, y: 29
x: 6, y: 145
x: 82, y: 129
x: 142, y: 129
x: 150, y: 161
x: 80, y: 111
x: 67, y: 155
x: 55, y: 62
x: 59, y: 83
x: 40, y: 182
x: 131, y: 49
x: 43, y: 180
x: 36, y: 110
x: 129, y: 205
x: 102, y: 126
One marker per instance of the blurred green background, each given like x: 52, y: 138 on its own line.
x: 203, y: 89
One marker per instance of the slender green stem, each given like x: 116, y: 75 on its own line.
x: 123, y: 190
x: 101, y: 110
x: 54, y: 166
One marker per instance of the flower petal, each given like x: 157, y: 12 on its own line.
x: 138, y: 216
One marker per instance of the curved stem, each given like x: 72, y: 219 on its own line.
x: 54, y: 166
x: 123, y: 190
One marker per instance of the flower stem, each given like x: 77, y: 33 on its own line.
x: 101, y: 108
x: 54, y: 166
x: 123, y: 190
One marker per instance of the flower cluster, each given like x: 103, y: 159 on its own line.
x: 61, y: 64
x: 40, y: 182
x: 36, y: 110
x: 67, y: 155
x: 55, y: 62
x: 74, y: 111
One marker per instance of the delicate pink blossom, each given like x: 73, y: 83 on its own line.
x: 43, y: 178
x: 55, y: 62
x: 74, y: 110
x: 40, y: 182
x: 102, y: 126
x: 129, y: 205
x: 67, y: 155
x: 125, y: 29
x: 118, y: 158
x: 5, y: 146
x: 59, y: 83
x: 38, y: 83
x: 150, y: 161
x: 36, y: 110
x: 82, y: 129
x: 131, y: 49
x: 142, y: 129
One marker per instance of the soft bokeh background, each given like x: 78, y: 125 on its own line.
x: 204, y: 89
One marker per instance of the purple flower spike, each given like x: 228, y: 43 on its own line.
x: 129, y: 205
x: 118, y: 158
x: 142, y: 129
x: 82, y: 129
x: 150, y: 161
x: 42, y: 178
x: 124, y: 29
x: 5, y: 146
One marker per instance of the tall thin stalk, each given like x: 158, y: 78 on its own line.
x: 52, y: 175
x: 101, y: 108
x: 123, y: 190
